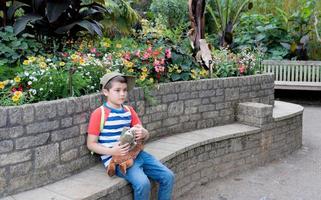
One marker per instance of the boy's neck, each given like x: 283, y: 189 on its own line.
x: 115, y: 106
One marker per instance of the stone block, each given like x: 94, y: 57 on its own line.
x: 32, y: 141
x: 210, y: 114
x: 6, y: 146
x: 28, y: 114
x: 207, y: 93
x: 140, y: 108
x: 46, y: 156
x: 65, y: 133
x: 45, y: 110
x: 170, y: 121
x: 176, y: 108
x: 41, y: 127
x: 15, y: 115
x: 72, y: 143
x: 193, y: 102
x: 69, y: 155
x: 204, y: 108
x: 66, y: 122
x: 13, y: 132
x: 169, y: 98
x: 20, y: 169
x: 232, y: 94
x: 15, y: 157
x: 3, y: 118
x: 80, y: 118
x: 61, y: 108
x: 83, y: 129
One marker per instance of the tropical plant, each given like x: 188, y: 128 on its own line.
x: 62, y: 20
x: 226, y: 15
x: 121, y: 18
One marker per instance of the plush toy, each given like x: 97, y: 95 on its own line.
x: 124, y: 162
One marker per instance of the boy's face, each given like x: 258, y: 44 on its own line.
x: 117, y: 94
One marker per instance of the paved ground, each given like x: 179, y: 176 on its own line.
x: 296, y: 177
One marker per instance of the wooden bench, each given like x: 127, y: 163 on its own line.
x: 294, y: 75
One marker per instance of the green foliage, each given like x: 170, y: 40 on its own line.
x: 226, y: 15
x: 121, y: 18
x: 171, y: 12
x: 13, y: 48
x: 57, y: 19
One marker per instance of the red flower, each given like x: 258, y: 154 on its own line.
x: 156, y: 53
x: 242, y: 69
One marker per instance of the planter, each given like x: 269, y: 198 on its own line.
x: 44, y: 142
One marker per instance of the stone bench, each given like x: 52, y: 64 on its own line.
x: 196, y: 157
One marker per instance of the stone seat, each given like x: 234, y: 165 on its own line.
x: 94, y: 183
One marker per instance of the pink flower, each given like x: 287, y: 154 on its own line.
x: 159, y: 68
x: 162, y: 61
x: 150, y: 50
x: 127, y: 56
x: 137, y: 53
x: 156, y: 63
x: 146, y: 55
x: 109, y: 57
x: 168, y: 53
x: 93, y: 50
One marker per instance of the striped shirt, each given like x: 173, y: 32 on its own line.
x: 117, y: 120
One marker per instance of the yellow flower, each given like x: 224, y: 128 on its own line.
x: 62, y: 64
x: 118, y: 46
x: 142, y: 78
x: 151, y: 80
x: 74, y: 56
x: 17, y: 79
x: 193, y: 71
x: 106, y: 44
x: 15, y: 98
x: 203, y: 72
x: 193, y: 76
x: 32, y: 59
x: 6, y: 82
x: 170, y: 70
x: 130, y: 70
x: 179, y: 71
x: 26, y: 62
x: 2, y: 85
x: 41, y: 59
x: 42, y: 65
x: 82, y: 61
x: 17, y: 93
x: 144, y: 69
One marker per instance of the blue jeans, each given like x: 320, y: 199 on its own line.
x: 147, y: 166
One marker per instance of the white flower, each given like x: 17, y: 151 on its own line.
x: 29, y: 82
x: 26, y: 73
x: 33, y: 91
x: 50, y: 78
x: 48, y: 60
x: 51, y: 83
x: 92, y: 87
x: 40, y: 89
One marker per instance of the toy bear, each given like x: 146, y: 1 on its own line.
x: 124, y: 162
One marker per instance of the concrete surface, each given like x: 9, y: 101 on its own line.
x: 296, y: 177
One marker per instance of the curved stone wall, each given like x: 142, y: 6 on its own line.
x: 44, y: 142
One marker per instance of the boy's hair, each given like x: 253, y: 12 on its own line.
x: 119, y: 79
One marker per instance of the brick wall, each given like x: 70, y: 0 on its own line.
x: 45, y: 142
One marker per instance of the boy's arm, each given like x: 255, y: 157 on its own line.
x: 141, y: 132
x: 93, y: 134
x: 116, y: 150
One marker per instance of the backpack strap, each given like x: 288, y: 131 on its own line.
x: 102, y: 118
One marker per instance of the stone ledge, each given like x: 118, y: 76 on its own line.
x: 284, y: 110
x: 94, y: 183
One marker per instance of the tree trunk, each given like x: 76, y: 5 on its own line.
x: 196, y: 15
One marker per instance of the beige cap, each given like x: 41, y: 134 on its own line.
x: 107, y: 77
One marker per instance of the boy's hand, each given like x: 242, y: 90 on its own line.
x: 120, y: 150
x: 140, y: 132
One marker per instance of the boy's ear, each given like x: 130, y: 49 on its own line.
x: 105, y: 92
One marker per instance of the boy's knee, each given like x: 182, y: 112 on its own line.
x: 143, y: 185
x: 169, y: 177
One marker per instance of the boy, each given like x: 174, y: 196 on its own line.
x: 115, y: 87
